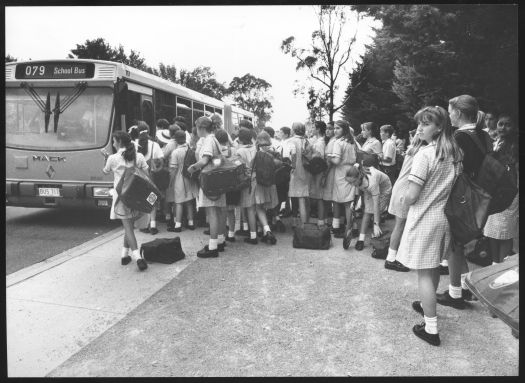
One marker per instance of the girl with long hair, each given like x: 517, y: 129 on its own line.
x: 426, y: 237
x: 125, y: 157
x: 299, y: 177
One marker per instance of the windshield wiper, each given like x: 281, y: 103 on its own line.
x: 79, y: 89
x: 45, y: 108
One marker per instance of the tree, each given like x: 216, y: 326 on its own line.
x: 442, y: 51
x: 10, y: 59
x: 168, y: 72
x: 251, y: 93
x: 99, y: 49
x: 328, y: 53
x: 202, y: 79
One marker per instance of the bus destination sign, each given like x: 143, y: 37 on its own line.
x: 58, y: 70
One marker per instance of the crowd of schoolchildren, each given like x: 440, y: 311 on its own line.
x: 375, y: 175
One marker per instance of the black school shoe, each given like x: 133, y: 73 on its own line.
x: 125, y: 260
x: 396, y: 266
x: 269, y: 238
x: 153, y: 230
x: 467, y: 295
x: 251, y: 241
x: 141, y: 264
x: 359, y: 245
x: 420, y: 332
x: 205, y: 252
x: 443, y: 270
x: 230, y: 239
x: 221, y: 246
x: 416, y: 305
x: 145, y: 230
x: 190, y: 227
x: 446, y: 300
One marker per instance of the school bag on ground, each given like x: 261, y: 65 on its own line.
x: 226, y: 177
x: 466, y: 209
x: 494, y: 177
x: 137, y: 191
x: 162, y: 250
x: 312, y: 237
x: 480, y: 255
x: 264, y: 166
x: 189, y: 159
x: 380, y: 245
x: 312, y: 161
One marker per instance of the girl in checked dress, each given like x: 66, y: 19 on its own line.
x: 426, y: 237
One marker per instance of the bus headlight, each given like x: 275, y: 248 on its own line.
x: 101, y: 192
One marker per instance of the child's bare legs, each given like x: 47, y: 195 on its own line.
x: 428, y: 281
x: 336, y: 220
x: 320, y: 212
x: 221, y: 228
x: 397, y: 233
x: 230, y: 220
x: 252, y: 221
x: 190, y: 213
x: 131, y: 241
x: 213, y: 218
x: 302, y: 210
x: 178, y: 215
x: 349, y: 217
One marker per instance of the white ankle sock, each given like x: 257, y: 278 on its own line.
x: 320, y: 222
x: 135, y: 254
x: 266, y: 229
x: 220, y: 238
x: 463, y: 284
x: 431, y: 324
x: 494, y: 263
x: 391, y: 257
x: 178, y: 224
x: 336, y: 223
x: 125, y: 252
x: 245, y: 226
x: 190, y: 222
x: 231, y: 234
x: 153, y: 224
x: 361, y: 237
x: 253, y: 235
x: 454, y: 292
x: 444, y: 263
x: 212, y: 244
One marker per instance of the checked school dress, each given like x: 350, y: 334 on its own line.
x: 299, y: 177
x: 316, y: 188
x: 210, y: 147
x: 397, y: 205
x: 184, y: 189
x: 426, y: 237
x: 328, y: 188
x: 343, y: 191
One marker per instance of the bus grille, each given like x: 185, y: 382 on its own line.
x: 9, y: 72
x: 105, y: 71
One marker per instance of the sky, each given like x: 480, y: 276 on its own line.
x: 231, y: 40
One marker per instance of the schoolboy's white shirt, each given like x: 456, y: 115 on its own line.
x: 286, y: 149
x: 389, y: 150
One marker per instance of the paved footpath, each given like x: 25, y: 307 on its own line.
x: 254, y: 311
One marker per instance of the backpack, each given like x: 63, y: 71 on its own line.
x: 264, y: 166
x: 311, y: 237
x: 282, y: 172
x: 466, y: 209
x: 162, y: 250
x: 189, y: 159
x: 495, y: 178
x: 312, y: 161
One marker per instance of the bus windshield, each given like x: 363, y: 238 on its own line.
x: 82, y: 124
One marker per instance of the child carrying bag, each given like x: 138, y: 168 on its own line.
x: 312, y: 237
x: 162, y: 250
x: 312, y: 160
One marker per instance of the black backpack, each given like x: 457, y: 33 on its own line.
x: 312, y: 161
x: 495, y: 178
x: 264, y: 166
x: 189, y: 159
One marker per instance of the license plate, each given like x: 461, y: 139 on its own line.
x: 49, y: 192
x: 103, y: 202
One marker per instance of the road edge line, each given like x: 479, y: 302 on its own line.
x: 38, y: 268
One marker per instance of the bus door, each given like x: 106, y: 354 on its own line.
x: 147, y: 113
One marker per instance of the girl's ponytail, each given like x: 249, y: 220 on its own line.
x: 143, y: 130
x: 124, y: 139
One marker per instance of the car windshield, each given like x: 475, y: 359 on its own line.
x: 82, y: 124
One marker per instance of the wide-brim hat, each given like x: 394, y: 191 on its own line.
x: 163, y: 135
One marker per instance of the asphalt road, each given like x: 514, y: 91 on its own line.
x: 33, y: 235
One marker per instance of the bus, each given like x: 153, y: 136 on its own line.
x: 61, y: 113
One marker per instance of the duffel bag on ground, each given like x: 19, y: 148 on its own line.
x: 162, y: 250
x: 312, y: 237
x: 380, y: 245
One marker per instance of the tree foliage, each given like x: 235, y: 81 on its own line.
x: 202, y: 79
x: 252, y: 93
x: 328, y: 53
x: 426, y: 54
